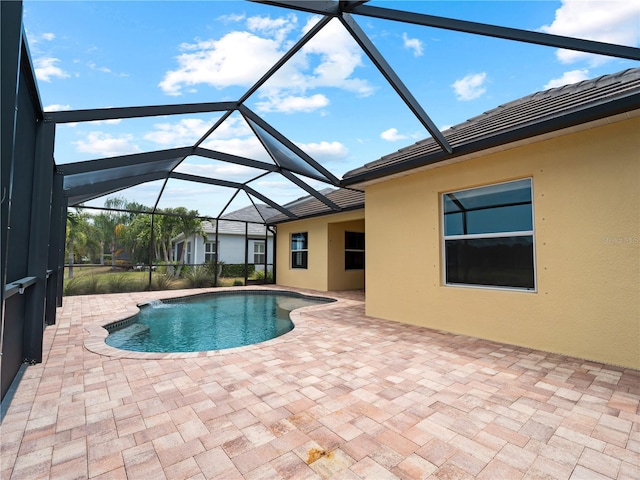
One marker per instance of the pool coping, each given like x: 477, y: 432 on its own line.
x: 98, y: 333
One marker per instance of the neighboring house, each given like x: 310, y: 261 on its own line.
x: 236, y: 240
x: 527, y: 234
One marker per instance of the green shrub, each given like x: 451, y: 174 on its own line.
x: 198, y: 277
x: 238, y: 283
x: 236, y: 270
x: 259, y: 275
x: 72, y: 287
x: 118, y: 283
x: 92, y: 285
x: 161, y: 282
x: 211, y: 267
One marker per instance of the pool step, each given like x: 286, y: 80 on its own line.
x: 135, y: 329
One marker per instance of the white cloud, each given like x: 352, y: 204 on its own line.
x: 293, y: 104
x: 339, y: 56
x: 240, y: 58
x: 413, y: 44
x: 227, y: 171
x: 470, y: 87
x: 324, y: 151
x: 185, y: 132
x: 104, y: 144
x: 93, y: 66
x: 56, y: 107
x: 46, y: 69
x: 188, y: 130
x: 615, y: 22
x: 278, y: 28
x: 573, y: 76
x: 249, y: 147
x: 392, y: 135
x: 113, y: 121
x: 231, y: 18
x: 47, y: 37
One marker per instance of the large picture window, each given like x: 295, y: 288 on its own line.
x: 488, y: 236
x: 353, y: 250
x: 299, y: 250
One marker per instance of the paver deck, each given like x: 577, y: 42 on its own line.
x: 342, y: 396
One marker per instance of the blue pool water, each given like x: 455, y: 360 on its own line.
x: 208, y: 322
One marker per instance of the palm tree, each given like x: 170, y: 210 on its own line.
x: 188, y: 225
x: 109, y: 223
x: 75, y: 236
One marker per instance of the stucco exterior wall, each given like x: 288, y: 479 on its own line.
x: 321, y: 258
x: 587, y: 226
x: 337, y: 277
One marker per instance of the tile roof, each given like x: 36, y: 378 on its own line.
x: 346, y: 199
x: 535, y: 114
x: 257, y: 213
x: 228, y: 227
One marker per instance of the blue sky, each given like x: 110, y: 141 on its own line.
x: 329, y: 99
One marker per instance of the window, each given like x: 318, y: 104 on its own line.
x: 488, y: 236
x: 188, y: 257
x: 353, y: 250
x: 258, y: 253
x: 209, y: 252
x: 299, y: 250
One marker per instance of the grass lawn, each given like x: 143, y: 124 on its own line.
x: 92, y: 279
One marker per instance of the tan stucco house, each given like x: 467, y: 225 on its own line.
x: 528, y: 233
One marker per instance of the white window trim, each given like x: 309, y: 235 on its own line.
x: 520, y: 233
x: 263, y: 252
x: 210, y: 252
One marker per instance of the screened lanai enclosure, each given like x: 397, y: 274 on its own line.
x: 43, y: 182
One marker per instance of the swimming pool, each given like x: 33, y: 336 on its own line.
x: 212, y: 321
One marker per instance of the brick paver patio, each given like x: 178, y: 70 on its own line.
x: 342, y: 396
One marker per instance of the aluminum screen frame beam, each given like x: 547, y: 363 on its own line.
x: 506, y: 33
x: 229, y: 158
x: 286, y: 57
x: 311, y: 191
x: 230, y: 184
x: 385, y: 69
x: 249, y: 114
x: 310, y: 6
x: 89, y: 166
x: 100, y: 189
x: 91, y: 115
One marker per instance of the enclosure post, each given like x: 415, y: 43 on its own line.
x: 275, y: 250
x: 56, y: 249
x: 217, y: 259
x: 151, y: 249
x: 246, y: 252
x: 38, y: 252
x: 64, y: 208
x: 266, y: 252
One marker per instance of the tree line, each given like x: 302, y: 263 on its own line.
x: 121, y: 230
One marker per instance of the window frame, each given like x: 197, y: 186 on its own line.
x: 504, y: 234
x: 263, y: 253
x: 303, y: 251
x: 353, y: 250
x: 214, y: 252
